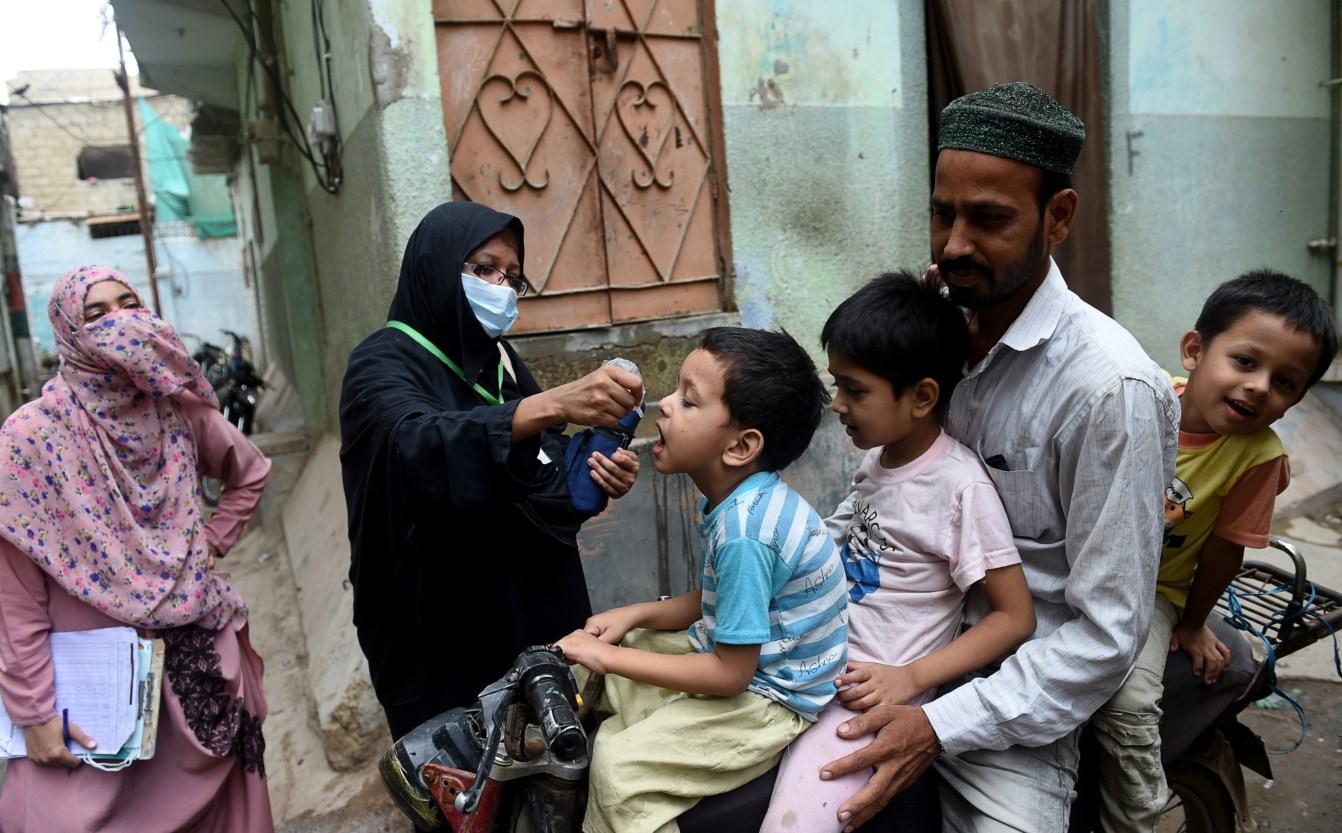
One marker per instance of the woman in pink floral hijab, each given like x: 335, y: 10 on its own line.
x: 100, y: 526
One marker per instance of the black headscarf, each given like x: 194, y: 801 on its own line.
x: 429, y: 296
x: 462, y: 541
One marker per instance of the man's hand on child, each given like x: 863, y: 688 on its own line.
x: 1209, y: 654
x: 581, y: 648
x: 904, y: 746
x: 867, y: 684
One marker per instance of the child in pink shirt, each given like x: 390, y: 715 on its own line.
x: 922, y: 526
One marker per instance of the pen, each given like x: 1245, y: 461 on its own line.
x: 65, y: 733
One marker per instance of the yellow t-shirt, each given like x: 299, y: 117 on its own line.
x: 1208, y: 467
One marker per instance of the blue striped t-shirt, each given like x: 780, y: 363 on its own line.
x: 772, y: 577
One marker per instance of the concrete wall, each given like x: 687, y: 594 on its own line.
x: 825, y: 119
x: 202, y: 285
x: 825, y: 123
x: 385, y: 85
x: 74, y: 109
x: 1230, y: 129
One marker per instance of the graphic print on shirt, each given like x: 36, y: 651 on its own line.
x: 861, y: 552
x: 1178, y: 496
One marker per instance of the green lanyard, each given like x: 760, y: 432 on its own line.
x: 492, y: 399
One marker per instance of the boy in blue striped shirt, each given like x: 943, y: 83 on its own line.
x: 707, y: 689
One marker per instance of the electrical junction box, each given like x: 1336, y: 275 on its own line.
x: 322, y: 127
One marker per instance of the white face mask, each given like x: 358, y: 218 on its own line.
x: 495, y: 306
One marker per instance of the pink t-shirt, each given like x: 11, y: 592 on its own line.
x: 914, y: 539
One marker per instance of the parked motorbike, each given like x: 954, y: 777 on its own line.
x: 1203, y: 743
x: 238, y: 388
x: 516, y: 762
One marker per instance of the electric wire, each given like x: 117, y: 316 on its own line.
x: 41, y: 108
x: 321, y: 44
x: 320, y: 170
x: 330, y: 161
x: 303, y: 147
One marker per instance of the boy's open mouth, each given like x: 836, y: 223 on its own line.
x: 659, y: 446
x: 1241, y: 408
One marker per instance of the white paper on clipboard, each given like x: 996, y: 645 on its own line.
x: 97, y: 683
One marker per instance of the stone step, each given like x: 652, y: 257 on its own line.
x: 276, y: 443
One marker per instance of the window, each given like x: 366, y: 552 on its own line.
x: 597, y: 122
x: 105, y: 162
x: 113, y: 225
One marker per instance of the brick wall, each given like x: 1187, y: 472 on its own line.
x: 60, y: 114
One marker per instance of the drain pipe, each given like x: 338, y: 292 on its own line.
x: 1329, y: 246
x: 1335, y: 160
x: 1334, y: 85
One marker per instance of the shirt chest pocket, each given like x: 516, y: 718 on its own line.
x: 1029, y: 504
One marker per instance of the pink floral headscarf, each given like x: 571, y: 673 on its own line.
x: 99, y: 482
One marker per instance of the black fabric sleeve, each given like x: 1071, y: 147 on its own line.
x: 466, y: 459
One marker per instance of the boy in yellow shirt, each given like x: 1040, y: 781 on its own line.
x: 1260, y: 342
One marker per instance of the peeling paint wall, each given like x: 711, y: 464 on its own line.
x: 1219, y: 153
x: 825, y: 122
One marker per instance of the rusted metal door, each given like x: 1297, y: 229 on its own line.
x: 598, y: 123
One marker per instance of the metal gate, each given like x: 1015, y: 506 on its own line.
x: 598, y: 123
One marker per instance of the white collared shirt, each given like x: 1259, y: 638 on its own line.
x: 1079, y: 429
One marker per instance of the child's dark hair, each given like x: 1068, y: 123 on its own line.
x: 900, y: 327
x: 771, y: 385
x: 1278, y: 294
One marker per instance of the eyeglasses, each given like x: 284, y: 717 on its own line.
x: 495, y: 275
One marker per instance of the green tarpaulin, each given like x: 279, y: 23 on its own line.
x: 179, y: 193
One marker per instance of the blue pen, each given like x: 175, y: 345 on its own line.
x: 65, y: 733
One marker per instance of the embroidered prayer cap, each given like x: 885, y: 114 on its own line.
x: 1017, y: 121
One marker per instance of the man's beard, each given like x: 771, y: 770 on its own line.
x: 1013, y: 276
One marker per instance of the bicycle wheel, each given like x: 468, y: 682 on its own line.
x: 1199, y: 802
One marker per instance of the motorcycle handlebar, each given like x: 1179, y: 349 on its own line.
x: 548, y: 698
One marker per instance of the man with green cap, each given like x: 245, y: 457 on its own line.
x: 1078, y: 429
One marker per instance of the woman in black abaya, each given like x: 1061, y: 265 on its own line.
x: 462, y: 534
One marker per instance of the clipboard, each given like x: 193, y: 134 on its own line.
x: 143, y: 740
x: 109, y: 681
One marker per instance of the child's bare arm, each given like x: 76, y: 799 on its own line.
x: 666, y: 615
x: 994, y: 636
x: 725, y: 672
x: 1218, y: 562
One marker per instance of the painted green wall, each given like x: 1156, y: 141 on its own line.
x: 825, y: 119
x: 385, y: 86
x: 272, y: 214
x: 1231, y: 134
